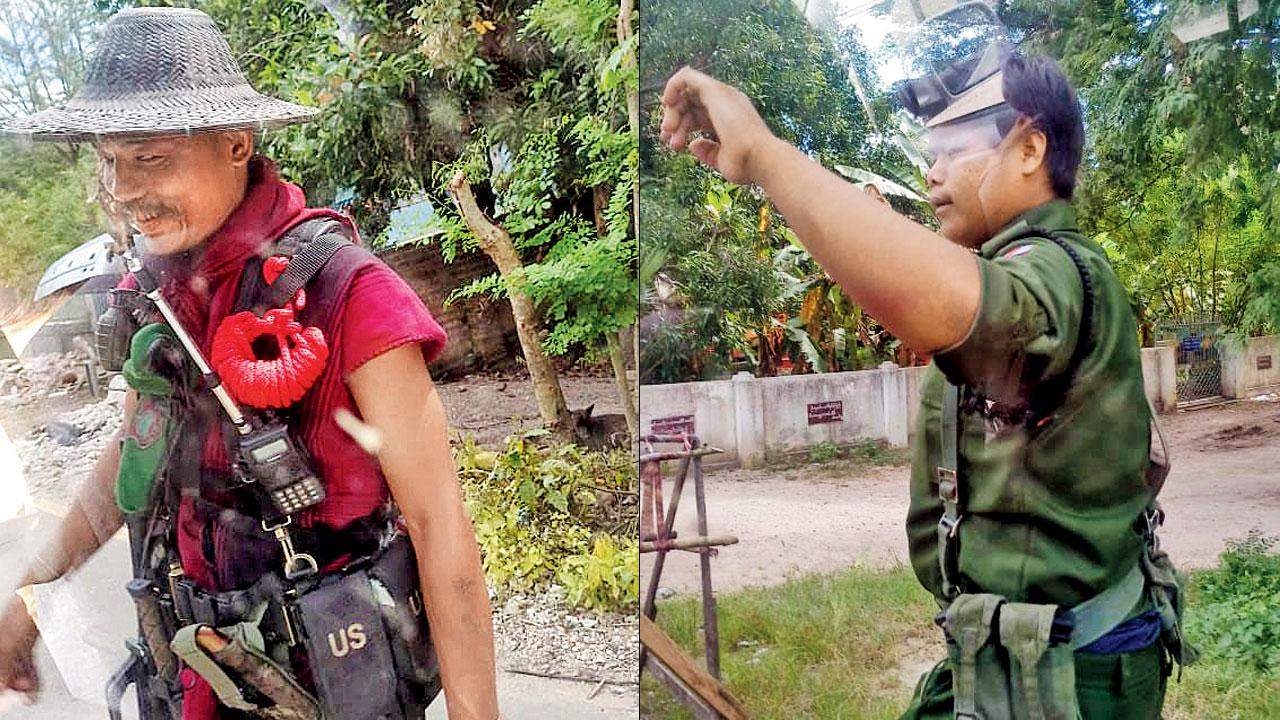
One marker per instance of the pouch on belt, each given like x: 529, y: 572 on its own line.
x: 350, y: 653
x: 396, y: 572
x: 1024, y: 675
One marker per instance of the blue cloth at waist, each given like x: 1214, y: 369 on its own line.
x: 1132, y: 635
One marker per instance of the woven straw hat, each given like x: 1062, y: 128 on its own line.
x: 159, y: 71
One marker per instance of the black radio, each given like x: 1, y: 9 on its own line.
x: 270, y: 457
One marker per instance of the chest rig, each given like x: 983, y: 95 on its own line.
x: 1031, y: 414
x: 314, y: 622
x: 1015, y: 660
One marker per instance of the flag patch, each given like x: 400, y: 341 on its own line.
x: 1015, y: 252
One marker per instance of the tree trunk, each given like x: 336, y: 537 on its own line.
x: 600, y: 201
x: 624, y: 387
x: 635, y: 348
x: 496, y: 243
x: 1213, y: 272
x: 600, y: 196
x: 625, y: 32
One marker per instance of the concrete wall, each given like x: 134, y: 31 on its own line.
x: 711, y: 405
x: 787, y: 399
x: 1250, y: 367
x: 1159, y: 377
x: 753, y: 419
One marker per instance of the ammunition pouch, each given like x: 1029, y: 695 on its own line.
x: 1010, y: 660
x: 1017, y: 660
x: 362, y: 629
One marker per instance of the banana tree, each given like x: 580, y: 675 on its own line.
x: 830, y: 333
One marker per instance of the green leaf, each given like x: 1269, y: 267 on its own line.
x: 884, y: 184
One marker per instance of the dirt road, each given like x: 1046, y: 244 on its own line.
x: 1225, y: 480
x: 492, y: 406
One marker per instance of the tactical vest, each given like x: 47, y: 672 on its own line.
x: 315, y: 621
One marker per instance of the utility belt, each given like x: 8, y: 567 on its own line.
x: 351, y: 644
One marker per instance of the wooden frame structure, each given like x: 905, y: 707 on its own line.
x: 698, y: 690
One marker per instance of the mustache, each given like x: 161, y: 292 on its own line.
x: 148, y: 210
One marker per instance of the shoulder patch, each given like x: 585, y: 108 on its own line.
x: 148, y: 423
x: 1017, y: 251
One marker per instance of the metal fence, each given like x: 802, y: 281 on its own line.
x: 1199, y: 369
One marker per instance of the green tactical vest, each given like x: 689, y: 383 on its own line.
x: 1049, y: 514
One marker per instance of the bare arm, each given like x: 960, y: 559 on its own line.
x: 924, y: 288
x: 92, y: 519
x: 395, y: 395
x: 921, y: 286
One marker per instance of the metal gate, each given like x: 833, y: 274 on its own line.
x: 1199, y: 370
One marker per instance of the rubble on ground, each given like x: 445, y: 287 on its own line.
x: 59, y: 455
x: 541, y: 635
x: 43, y: 376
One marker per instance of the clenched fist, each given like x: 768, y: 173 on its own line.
x: 733, y: 131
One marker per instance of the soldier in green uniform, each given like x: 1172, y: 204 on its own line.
x: 1032, y: 513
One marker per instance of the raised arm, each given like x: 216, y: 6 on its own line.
x: 921, y: 286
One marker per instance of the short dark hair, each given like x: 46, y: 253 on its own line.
x: 1037, y: 87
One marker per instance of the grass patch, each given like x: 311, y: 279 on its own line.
x: 832, y: 646
x: 821, y: 646
x: 1234, y: 619
x: 830, y: 459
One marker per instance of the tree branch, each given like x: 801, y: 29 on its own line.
x: 488, y: 234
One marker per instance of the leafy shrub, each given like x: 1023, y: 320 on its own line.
x: 825, y: 451
x: 606, y: 578
x: 1235, y: 610
x: 555, y: 513
x: 875, y: 452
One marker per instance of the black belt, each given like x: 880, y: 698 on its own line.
x: 361, y: 538
x: 194, y: 605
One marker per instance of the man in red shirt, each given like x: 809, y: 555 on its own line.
x: 172, y: 120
